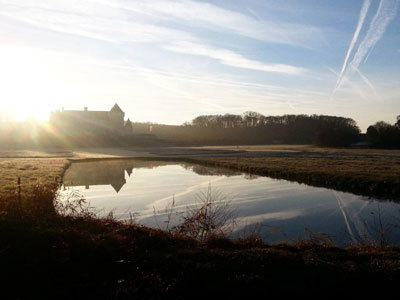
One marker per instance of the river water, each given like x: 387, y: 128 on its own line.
x: 158, y: 194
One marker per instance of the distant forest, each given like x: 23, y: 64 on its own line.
x: 249, y: 128
x: 384, y: 135
x: 255, y: 128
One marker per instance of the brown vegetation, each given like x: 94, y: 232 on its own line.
x: 365, y: 174
x: 30, y: 171
x: 53, y: 256
x: 63, y: 256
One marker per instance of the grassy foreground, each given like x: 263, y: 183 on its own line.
x: 43, y: 255
x: 46, y: 255
x: 30, y: 171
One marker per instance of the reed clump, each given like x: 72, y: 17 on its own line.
x: 211, y: 215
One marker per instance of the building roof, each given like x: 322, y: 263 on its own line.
x: 116, y: 108
x: 117, y: 185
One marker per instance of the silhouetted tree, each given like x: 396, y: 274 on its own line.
x: 383, y: 134
x: 252, y: 119
x: 397, y: 124
x: 253, y: 127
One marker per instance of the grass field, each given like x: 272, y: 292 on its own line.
x: 305, y: 148
x: 30, y: 171
x: 372, y: 172
x: 43, y: 166
x: 364, y: 174
x: 53, y: 256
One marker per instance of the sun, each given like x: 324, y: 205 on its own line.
x: 27, y: 84
x: 31, y: 111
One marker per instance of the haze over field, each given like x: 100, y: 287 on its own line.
x: 169, y: 61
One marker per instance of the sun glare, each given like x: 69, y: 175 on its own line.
x: 27, y: 85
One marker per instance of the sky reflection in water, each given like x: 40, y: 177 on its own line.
x: 279, y: 210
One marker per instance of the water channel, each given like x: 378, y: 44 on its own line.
x: 278, y: 210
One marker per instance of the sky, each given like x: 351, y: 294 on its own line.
x: 170, y: 61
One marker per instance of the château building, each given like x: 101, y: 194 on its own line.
x: 90, y: 121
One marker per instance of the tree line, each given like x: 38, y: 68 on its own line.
x: 384, y: 135
x: 306, y: 129
x: 248, y: 128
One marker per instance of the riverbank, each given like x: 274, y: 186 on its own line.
x: 83, y: 257
x: 86, y: 258
x: 368, y: 175
x: 365, y: 172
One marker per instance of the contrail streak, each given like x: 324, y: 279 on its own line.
x: 368, y: 82
x: 349, y: 82
x: 346, y: 221
x: 361, y: 19
x: 384, y: 15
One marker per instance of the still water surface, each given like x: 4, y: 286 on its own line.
x: 278, y: 210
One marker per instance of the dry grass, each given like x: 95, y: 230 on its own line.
x: 364, y: 171
x: 366, y: 174
x: 372, y: 168
x: 48, y: 153
x: 42, y: 166
x: 64, y: 257
x: 109, y: 152
x: 31, y: 171
x: 304, y: 148
x: 54, y: 256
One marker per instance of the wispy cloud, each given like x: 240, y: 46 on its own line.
x: 216, y: 18
x: 90, y: 19
x: 152, y: 20
x: 369, y: 84
x: 97, y: 50
x: 385, y: 14
x: 142, y: 22
x: 231, y: 58
x: 355, y: 88
x: 361, y: 19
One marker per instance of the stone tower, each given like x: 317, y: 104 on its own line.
x: 117, y: 118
